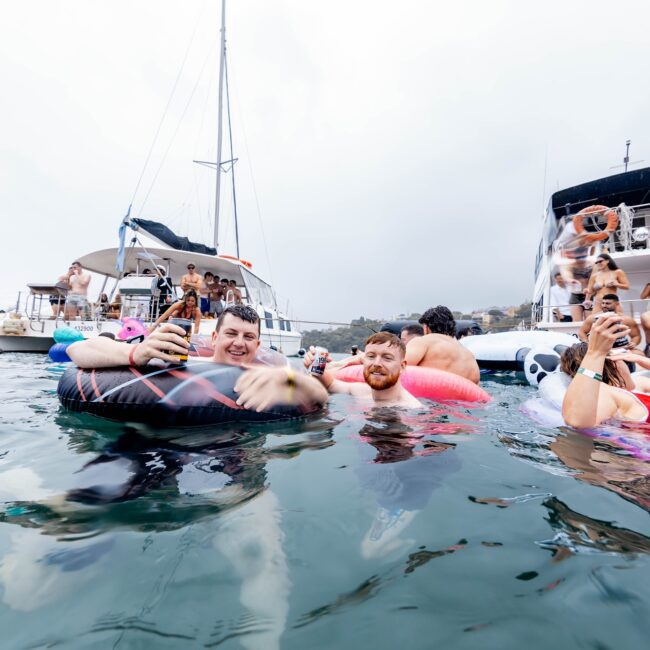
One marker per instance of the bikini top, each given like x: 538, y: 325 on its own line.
x: 645, y: 401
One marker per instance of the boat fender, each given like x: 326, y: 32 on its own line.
x: 540, y: 362
x: 67, y: 334
x: 196, y: 394
x: 428, y: 383
x: 58, y: 352
x: 13, y: 327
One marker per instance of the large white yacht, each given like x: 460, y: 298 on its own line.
x: 574, y: 228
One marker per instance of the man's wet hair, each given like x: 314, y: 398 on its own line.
x: 611, y: 296
x: 387, y: 337
x: 243, y: 312
x: 414, y: 330
x: 439, y: 320
x: 207, y: 273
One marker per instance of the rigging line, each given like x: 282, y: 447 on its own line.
x: 178, y: 126
x: 250, y: 168
x: 232, y: 155
x: 169, y: 101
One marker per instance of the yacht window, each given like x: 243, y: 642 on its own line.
x: 259, y: 293
x: 287, y: 325
x: 269, y: 320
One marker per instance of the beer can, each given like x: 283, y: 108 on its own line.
x: 319, y: 363
x: 187, y: 326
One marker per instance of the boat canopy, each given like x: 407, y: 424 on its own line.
x: 162, y: 234
x: 631, y: 188
x: 137, y: 258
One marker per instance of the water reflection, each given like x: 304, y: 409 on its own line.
x: 146, y: 484
x: 402, y: 467
x: 601, y: 463
x: 576, y: 533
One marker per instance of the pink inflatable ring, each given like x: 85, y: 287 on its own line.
x: 428, y: 383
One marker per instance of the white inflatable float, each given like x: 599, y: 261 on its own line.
x: 534, y: 353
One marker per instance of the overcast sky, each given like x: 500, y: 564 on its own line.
x: 397, y: 150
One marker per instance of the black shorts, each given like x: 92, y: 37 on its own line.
x: 566, y: 318
x: 577, y: 298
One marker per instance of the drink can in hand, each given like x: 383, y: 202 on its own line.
x: 187, y: 326
x: 319, y: 363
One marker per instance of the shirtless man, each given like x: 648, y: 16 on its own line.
x: 609, y: 303
x: 207, y: 286
x: 77, y: 300
x: 236, y: 292
x: 191, y: 280
x: 410, y: 332
x: 438, y: 348
x: 57, y: 300
x: 383, y: 363
x: 235, y: 341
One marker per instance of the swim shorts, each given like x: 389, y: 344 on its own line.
x: 577, y: 298
x: 77, y: 300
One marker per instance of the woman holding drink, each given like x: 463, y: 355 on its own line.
x: 187, y: 308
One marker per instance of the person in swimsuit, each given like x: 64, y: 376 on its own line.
x: 601, y: 389
x: 576, y: 277
x: 606, y: 278
x: 186, y: 308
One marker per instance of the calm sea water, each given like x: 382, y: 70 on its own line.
x: 451, y: 527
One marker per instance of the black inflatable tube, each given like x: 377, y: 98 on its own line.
x: 197, y: 394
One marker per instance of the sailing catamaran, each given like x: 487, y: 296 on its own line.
x: 30, y: 328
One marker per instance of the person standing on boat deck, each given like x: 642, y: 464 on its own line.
x: 191, y: 280
x: 576, y: 275
x: 606, y: 278
x: 383, y: 363
x: 438, y: 348
x: 204, y: 292
x: 236, y: 292
x: 609, y: 303
x: 235, y: 341
x: 165, y: 290
x: 411, y: 332
x: 77, y: 301
x: 57, y: 301
x: 216, y: 298
x: 560, y: 298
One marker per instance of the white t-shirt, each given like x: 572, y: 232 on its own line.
x: 561, y: 296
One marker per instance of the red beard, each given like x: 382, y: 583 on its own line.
x: 379, y: 382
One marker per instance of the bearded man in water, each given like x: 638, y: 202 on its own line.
x: 383, y: 363
x: 438, y: 348
x: 235, y: 341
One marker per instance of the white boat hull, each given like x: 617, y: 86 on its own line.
x: 38, y: 336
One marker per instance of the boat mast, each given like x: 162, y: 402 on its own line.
x: 222, y: 63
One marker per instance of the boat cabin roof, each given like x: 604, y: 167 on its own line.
x: 631, y: 188
x: 136, y: 259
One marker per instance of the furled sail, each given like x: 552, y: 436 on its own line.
x: 164, y: 235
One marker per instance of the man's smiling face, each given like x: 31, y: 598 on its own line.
x: 236, y: 342
x: 382, y: 365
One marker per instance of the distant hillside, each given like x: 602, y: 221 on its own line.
x: 342, y: 339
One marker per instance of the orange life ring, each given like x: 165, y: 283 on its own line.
x: 579, y: 222
x: 246, y: 263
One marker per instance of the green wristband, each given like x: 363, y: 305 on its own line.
x: 590, y: 373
